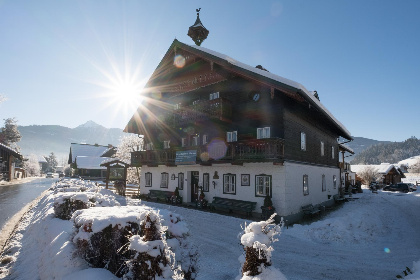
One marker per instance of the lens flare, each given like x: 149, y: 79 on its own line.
x: 217, y: 149
x: 387, y: 250
x: 179, y: 61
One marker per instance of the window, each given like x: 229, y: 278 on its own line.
x: 206, y: 182
x: 166, y: 144
x: 149, y: 146
x: 263, y: 132
x: 214, y: 95
x: 184, y: 142
x: 181, y: 181
x: 303, y: 141
x: 177, y: 106
x: 205, y: 139
x: 164, y: 180
x: 335, y: 182
x: 262, y: 185
x: 305, y: 185
x: 148, y: 179
x: 229, y: 183
x: 324, y: 184
x: 195, y: 140
x: 332, y: 152
x: 322, y: 148
x: 232, y: 136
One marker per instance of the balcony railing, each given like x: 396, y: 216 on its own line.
x: 219, y: 108
x: 261, y: 150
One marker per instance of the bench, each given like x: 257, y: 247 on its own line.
x: 310, y: 210
x: 233, y: 204
x: 159, y: 195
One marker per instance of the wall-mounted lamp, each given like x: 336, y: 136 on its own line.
x: 215, y: 176
x: 214, y: 184
x: 173, y: 177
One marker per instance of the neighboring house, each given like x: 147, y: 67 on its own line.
x: 86, y: 159
x: 43, y: 164
x: 391, y: 174
x: 235, y: 131
x: 348, y: 177
x: 7, y: 162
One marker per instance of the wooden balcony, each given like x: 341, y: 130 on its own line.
x: 220, y: 109
x: 261, y: 150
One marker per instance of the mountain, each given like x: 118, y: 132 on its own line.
x: 360, y: 144
x: 391, y: 152
x: 44, y: 139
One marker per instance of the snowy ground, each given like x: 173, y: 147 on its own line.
x: 373, y: 237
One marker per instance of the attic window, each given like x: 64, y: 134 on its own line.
x: 214, y: 95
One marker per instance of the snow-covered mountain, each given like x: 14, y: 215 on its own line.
x: 44, y: 139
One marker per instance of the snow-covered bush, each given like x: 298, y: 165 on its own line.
x: 256, y: 239
x: 66, y: 204
x: 135, y: 242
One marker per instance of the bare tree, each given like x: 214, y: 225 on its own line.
x: 369, y: 174
x: 130, y: 143
x: 32, y: 165
x: 415, y: 168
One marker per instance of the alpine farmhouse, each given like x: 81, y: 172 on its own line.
x: 214, y: 124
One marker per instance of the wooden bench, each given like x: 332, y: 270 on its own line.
x: 310, y: 210
x: 159, y: 195
x: 233, y: 204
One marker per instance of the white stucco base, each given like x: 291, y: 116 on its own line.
x: 287, y: 183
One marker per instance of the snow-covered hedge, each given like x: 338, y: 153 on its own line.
x: 133, y: 240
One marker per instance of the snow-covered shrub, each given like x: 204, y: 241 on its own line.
x: 256, y: 239
x: 66, y: 204
x: 127, y: 238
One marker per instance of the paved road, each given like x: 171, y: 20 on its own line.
x: 14, y: 197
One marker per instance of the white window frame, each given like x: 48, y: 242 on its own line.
x: 164, y: 180
x: 183, y: 142
x: 148, y: 179
x: 214, y: 95
x: 263, y: 132
x: 263, y: 186
x: 195, y: 140
x: 322, y: 149
x: 229, y: 183
x: 332, y: 152
x: 303, y: 141
x: 167, y: 144
x: 206, y: 182
x: 305, y: 184
x: 231, y: 136
x: 149, y: 146
x: 205, y: 139
x: 324, y: 183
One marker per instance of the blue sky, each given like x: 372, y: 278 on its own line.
x: 66, y: 62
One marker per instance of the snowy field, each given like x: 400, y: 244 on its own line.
x: 373, y: 237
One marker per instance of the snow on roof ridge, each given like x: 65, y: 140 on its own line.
x: 275, y: 77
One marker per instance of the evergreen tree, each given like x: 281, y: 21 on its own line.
x: 52, y: 162
x: 10, y: 134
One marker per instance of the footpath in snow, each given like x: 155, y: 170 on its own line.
x: 373, y: 237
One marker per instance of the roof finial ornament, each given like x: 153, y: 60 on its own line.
x: 197, y: 31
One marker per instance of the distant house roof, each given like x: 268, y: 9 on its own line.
x: 345, y: 148
x: 13, y: 152
x: 87, y: 150
x: 84, y: 162
x: 41, y: 159
x: 383, y: 168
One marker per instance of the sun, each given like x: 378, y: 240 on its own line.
x: 127, y: 93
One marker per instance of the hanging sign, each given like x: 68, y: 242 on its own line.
x: 186, y: 157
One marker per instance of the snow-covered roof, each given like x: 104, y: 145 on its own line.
x: 409, y: 161
x: 382, y: 168
x: 115, y: 159
x: 41, y: 159
x: 279, y: 79
x: 346, y: 148
x: 84, y: 162
x: 87, y: 150
x: 12, y: 151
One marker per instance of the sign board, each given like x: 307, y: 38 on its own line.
x: 186, y: 157
x: 116, y: 173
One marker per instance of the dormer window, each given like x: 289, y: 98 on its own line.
x: 195, y: 140
x: 214, y: 95
x: 263, y: 132
x: 166, y: 144
x: 232, y: 136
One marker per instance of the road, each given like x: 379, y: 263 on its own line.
x: 14, y: 197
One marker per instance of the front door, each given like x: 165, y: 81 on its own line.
x: 195, y: 177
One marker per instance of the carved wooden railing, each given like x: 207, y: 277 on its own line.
x: 345, y: 166
x: 261, y: 150
x: 219, y: 108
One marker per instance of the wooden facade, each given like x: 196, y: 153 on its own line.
x: 225, y: 113
x: 7, y: 158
